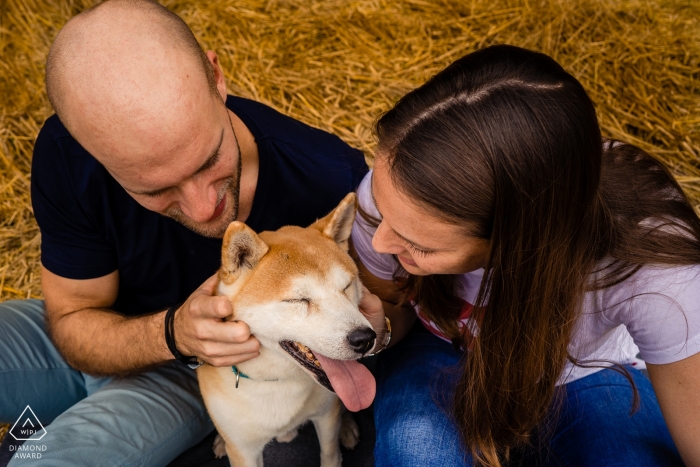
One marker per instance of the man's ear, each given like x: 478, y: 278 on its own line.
x: 338, y: 224
x: 218, y: 74
x: 242, y: 250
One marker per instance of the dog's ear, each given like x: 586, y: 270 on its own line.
x: 338, y: 224
x: 242, y: 249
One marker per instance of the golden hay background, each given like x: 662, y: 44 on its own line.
x: 337, y: 64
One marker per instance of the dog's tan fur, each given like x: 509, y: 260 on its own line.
x: 263, y: 275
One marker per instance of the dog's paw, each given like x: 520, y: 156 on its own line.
x: 219, y: 447
x: 349, y: 431
x: 287, y: 437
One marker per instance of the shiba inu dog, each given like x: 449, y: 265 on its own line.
x: 298, y: 290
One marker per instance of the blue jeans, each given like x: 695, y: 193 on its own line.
x: 414, y: 383
x: 142, y: 420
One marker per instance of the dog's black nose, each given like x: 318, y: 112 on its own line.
x: 362, y: 339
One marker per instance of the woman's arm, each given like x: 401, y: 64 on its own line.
x: 677, y: 386
x: 383, y: 298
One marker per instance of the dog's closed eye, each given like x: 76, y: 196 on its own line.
x: 351, y: 291
x: 304, y: 301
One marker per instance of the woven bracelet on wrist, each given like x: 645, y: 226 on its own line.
x: 191, y: 362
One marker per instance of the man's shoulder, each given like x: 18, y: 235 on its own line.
x: 304, y: 172
x: 55, y: 127
x: 54, y: 140
x: 66, y: 176
x: 267, y: 123
x: 54, y: 135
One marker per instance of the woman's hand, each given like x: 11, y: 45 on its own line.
x: 372, y: 307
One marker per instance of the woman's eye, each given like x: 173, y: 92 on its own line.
x: 418, y: 251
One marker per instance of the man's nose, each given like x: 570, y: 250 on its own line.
x: 386, y: 241
x: 198, y: 200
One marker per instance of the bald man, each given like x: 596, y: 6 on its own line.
x: 134, y: 182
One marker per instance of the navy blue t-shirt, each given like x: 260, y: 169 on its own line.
x: 91, y: 227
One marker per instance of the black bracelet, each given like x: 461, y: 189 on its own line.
x: 191, y: 362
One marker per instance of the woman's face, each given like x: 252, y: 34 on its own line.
x: 423, y: 243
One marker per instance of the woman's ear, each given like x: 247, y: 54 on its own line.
x: 338, y: 224
x: 242, y: 250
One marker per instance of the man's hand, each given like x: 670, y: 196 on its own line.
x: 201, y: 329
x: 96, y: 340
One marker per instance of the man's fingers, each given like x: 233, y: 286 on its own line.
x: 209, y: 286
x: 228, y: 332
x: 211, y: 307
x: 233, y: 360
x: 225, y: 351
x: 235, y: 332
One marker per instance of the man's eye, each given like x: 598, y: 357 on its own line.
x: 156, y: 194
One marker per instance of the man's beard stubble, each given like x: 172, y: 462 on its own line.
x: 232, y: 185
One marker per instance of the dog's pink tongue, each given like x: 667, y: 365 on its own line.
x: 353, y: 383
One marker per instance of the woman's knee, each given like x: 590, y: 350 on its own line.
x: 418, y: 438
x: 597, y: 422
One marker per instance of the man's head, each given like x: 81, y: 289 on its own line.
x: 132, y: 85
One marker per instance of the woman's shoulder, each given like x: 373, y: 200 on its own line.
x: 650, y: 282
x: 660, y: 307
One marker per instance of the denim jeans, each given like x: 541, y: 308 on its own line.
x: 142, y: 420
x: 415, y: 380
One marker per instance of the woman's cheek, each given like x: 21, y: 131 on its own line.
x: 430, y: 266
x: 442, y: 265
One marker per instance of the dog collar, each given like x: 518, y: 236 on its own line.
x: 239, y: 374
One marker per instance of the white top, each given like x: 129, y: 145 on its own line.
x: 656, y: 312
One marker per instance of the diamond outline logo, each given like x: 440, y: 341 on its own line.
x: 22, y: 425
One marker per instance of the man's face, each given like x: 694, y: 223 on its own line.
x: 181, y: 160
x: 140, y: 101
x: 198, y: 186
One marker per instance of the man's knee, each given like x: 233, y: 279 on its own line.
x: 32, y: 372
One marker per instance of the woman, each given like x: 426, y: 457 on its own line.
x: 498, y: 215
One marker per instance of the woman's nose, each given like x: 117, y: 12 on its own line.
x: 386, y: 241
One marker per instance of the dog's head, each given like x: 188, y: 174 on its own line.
x: 298, y: 290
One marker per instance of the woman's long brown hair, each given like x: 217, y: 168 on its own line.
x: 506, y: 144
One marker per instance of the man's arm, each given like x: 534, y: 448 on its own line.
x: 96, y: 340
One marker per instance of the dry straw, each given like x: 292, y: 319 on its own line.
x: 337, y: 64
